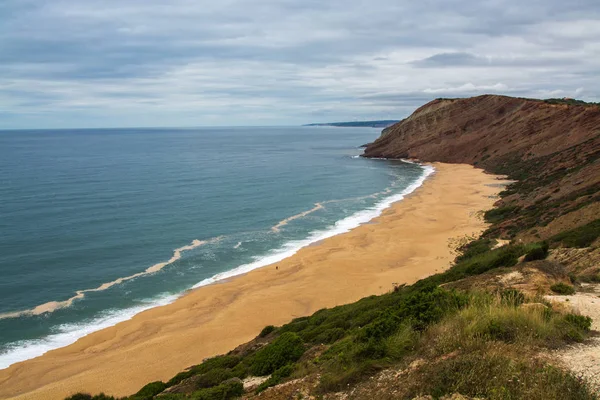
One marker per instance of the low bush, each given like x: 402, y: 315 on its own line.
x: 85, y: 396
x: 225, y: 391
x: 287, y: 348
x: 575, y: 327
x: 538, y: 251
x: 562, y: 288
x: 496, y: 372
x: 474, y: 248
x: 213, y: 377
x: 149, y: 391
x: 500, y: 213
x: 400, y: 343
x: 266, y: 330
x: 208, y: 365
x: 491, y: 318
x: 276, y: 377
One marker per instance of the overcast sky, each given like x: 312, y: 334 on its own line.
x: 111, y: 63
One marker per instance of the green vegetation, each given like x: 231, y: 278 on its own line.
x: 149, y: 391
x: 286, y: 349
x: 276, y: 377
x: 442, y: 341
x: 479, y: 344
x: 562, y: 288
x: 571, y: 102
x: 494, y: 371
x: 498, y: 214
x: 266, y: 330
x: 583, y: 236
x: 538, y: 251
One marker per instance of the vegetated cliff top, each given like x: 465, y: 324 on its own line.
x: 552, y: 147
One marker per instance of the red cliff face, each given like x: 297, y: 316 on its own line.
x: 486, y: 128
x: 552, y: 149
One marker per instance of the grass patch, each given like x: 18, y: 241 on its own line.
x: 494, y: 371
x: 563, y: 289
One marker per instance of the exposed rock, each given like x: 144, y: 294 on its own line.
x: 252, y: 382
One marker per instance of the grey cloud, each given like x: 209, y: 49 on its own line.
x: 184, y: 62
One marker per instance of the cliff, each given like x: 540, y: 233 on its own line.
x: 551, y: 147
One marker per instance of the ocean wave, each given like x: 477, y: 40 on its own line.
x: 52, y: 306
x: 69, y: 333
x: 341, y: 226
x: 284, y: 222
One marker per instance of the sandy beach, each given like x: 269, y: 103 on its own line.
x: 412, y: 239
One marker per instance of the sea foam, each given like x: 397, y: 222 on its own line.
x: 69, y: 333
x: 341, y: 226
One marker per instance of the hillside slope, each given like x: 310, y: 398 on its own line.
x: 551, y: 148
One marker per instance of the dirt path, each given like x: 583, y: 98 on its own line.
x: 584, y: 358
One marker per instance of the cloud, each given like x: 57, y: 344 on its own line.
x: 470, y: 88
x: 66, y: 63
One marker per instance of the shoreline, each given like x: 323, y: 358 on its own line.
x: 288, y: 249
x: 407, y: 241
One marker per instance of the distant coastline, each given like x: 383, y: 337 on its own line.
x: 353, y: 124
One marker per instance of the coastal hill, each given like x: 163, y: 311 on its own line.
x: 552, y: 148
x: 515, y: 316
x: 367, y: 124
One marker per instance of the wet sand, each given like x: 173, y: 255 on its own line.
x: 410, y: 240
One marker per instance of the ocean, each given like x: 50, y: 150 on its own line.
x: 98, y: 225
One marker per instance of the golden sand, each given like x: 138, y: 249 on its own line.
x: 410, y: 240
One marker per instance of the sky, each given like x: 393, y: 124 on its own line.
x: 136, y: 63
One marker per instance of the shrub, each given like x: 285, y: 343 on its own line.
x: 276, y: 377
x: 579, y: 321
x: 490, y: 318
x: 207, y: 365
x: 85, y: 396
x: 149, y: 391
x: 287, y: 348
x: 400, y: 343
x: 213, y: 377
x: 474, y: 248
x: 537, y: 252
x: 225, y: 391
x: 498, y: 214
x: 497, y: 372
x: 330, y: 335
x: 266, y: 330
x: 562, y: 288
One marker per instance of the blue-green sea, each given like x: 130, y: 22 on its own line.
x: 98, y: 225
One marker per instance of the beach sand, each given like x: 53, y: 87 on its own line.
x: 412, y: 239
